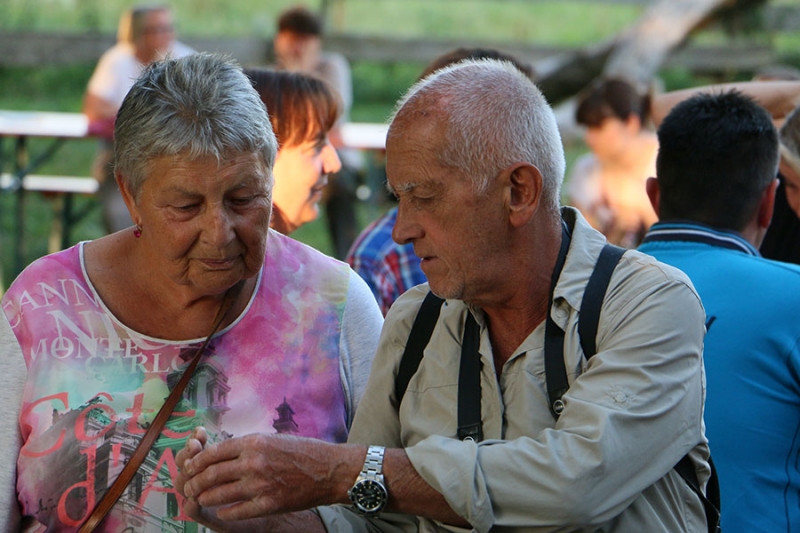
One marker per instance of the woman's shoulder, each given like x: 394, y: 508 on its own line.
x: 52, y: 267
x: 292, y: 258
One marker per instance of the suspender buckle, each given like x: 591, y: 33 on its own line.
x: 471, y: 432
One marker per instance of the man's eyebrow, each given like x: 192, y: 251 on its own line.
x: 401, y: 188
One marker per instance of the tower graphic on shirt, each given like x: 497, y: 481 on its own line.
x: 285, y: 422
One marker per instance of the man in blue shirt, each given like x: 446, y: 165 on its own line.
x: 714, y: 194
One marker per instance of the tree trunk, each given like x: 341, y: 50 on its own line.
x: 641, y: 50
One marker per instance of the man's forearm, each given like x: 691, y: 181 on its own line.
x: 777, y: 97
x: 259, y: 476
x: 410, y: 494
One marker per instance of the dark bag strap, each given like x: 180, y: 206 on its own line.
x: 711, y: 500
x: 592, y: 302
x: 555, y: 373
x: 593, y: 296
x: 469, y: 410
x: 469, y: 383
x: 554, y: 369
x: 591, y: 305
x: 143, y: 448
x: 418, y: 338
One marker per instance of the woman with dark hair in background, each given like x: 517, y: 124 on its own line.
x: 608, y: 184
x: 302, y: 109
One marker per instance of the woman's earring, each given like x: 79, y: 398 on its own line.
x: 137, y: 231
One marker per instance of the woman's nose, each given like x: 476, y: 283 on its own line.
x: 330, y: 159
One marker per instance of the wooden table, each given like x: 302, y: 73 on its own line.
x: 19, y: 126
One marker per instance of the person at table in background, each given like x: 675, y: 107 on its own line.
x: 302, y: 110
x: 298, y: 47
x: 475, y: 157
x: 389, y: 268
x: 714, y: 195
x: 607, y: 184
x: 146, y: 33
x: 94, y: 337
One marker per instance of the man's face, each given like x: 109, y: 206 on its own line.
x: 460, y: 237
x: 157, y: 36
x: 297, y: 52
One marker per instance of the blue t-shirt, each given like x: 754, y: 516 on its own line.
x: 752, y: 360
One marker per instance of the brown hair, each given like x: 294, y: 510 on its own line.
x: 460, y: 54
x: 301, y: 107
x: 300, y: 20
x: 612, y: 97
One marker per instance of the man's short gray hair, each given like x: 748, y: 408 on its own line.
x: 200, y: 105
x: 496, y: 117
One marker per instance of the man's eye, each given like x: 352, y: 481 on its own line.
x: 242, y: 201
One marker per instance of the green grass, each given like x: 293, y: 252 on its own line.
x: 376, y: 85
x: 541, y: 21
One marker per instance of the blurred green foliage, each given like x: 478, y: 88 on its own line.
x: 376, y: 85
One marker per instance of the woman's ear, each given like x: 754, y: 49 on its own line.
x: 128, y: 197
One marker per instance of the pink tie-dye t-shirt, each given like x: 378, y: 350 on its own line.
x: 94, y: 385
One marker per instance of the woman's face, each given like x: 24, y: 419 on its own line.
x: 301, y: 173
x: 792, y: 184
x: 204, y: 222
x: 611, y: 137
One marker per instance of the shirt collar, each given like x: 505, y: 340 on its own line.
x: 697, y: 232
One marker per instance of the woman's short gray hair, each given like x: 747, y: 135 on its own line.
x: 495, y: 117
x: 789, y: 136
x: 200, y: 105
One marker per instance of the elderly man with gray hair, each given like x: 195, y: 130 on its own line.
x: 473, y: 437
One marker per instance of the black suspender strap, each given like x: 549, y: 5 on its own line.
x: 469, y: 383
x: 418, y: 338
x: 592, y: 302
x: 554, y: 370
x: 593, y: 295
x: 469, y: 398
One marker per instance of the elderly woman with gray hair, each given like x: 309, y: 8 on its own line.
x: 241, y: 329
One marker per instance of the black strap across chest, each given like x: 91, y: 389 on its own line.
x: 469, y: 397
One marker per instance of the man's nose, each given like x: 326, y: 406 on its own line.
x: 406, y: 229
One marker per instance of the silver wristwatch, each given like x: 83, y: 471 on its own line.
x: 369, y: 494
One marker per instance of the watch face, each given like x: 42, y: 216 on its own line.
x: 369, y: 496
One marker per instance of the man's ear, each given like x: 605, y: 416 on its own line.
x: 654, y: 193
x: 766, y: 205
x: 525, y: 186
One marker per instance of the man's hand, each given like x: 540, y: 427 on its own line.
x: 305, y: 522
x: 259, y: 475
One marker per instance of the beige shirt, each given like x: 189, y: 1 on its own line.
x: 632, y: 411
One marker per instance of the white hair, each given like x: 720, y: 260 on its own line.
x: 495, y: 117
